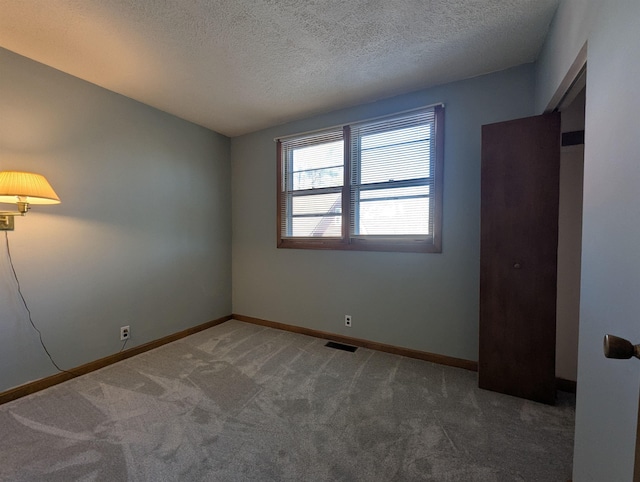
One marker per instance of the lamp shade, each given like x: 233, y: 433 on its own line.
x: 26, y: 187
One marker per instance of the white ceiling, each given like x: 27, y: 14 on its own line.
x: 236, y: 66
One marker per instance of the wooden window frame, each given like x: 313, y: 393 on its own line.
x: 433, y: 244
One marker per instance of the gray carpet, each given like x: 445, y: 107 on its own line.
x: 241, y: 402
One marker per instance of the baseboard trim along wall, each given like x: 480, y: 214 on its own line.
x: 408, y: 352
x: 36, y: 386
x: 561, y: 383
x: 566, y: 385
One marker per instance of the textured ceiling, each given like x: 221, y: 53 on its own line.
x: 236, y: 66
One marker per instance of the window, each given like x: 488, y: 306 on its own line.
x: 375, y: 185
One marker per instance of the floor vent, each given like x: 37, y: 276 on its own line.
x: 341, y: 346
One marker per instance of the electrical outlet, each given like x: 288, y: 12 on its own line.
x: 124, y: 332
x: 347, y: 320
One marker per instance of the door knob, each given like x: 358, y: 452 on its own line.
x: 616, y: 347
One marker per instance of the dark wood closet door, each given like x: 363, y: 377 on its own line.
x: 519, y: 241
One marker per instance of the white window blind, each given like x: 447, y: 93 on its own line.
x: 312, y: 181
x: 392, y: 180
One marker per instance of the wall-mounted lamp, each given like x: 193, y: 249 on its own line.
x: 23, y: 189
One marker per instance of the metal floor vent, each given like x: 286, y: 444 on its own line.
x: 341, y: 346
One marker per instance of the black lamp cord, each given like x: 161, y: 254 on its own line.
x: 24, y: 302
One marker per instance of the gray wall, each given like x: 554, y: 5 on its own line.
x: 142, y: 236
x: 426, y: 302
x: 607, y: 402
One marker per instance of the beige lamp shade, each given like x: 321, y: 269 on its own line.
x: 26, y: 187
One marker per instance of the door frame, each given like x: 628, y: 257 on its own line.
x: 573, y: 82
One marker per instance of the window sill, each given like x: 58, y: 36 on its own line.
x: 362, y: 245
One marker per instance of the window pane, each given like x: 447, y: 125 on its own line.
x: 317, y: 226
x: 409, y: 216
x: 394, y: 136
x: 395, y: 155
x: 316, y: 215
x: 318, y: 178
x: 317, y: 204
x: 318, y: 166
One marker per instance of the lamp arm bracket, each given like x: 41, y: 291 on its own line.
x: 23, y: 209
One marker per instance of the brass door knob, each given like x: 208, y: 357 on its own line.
x: 616, y: 347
